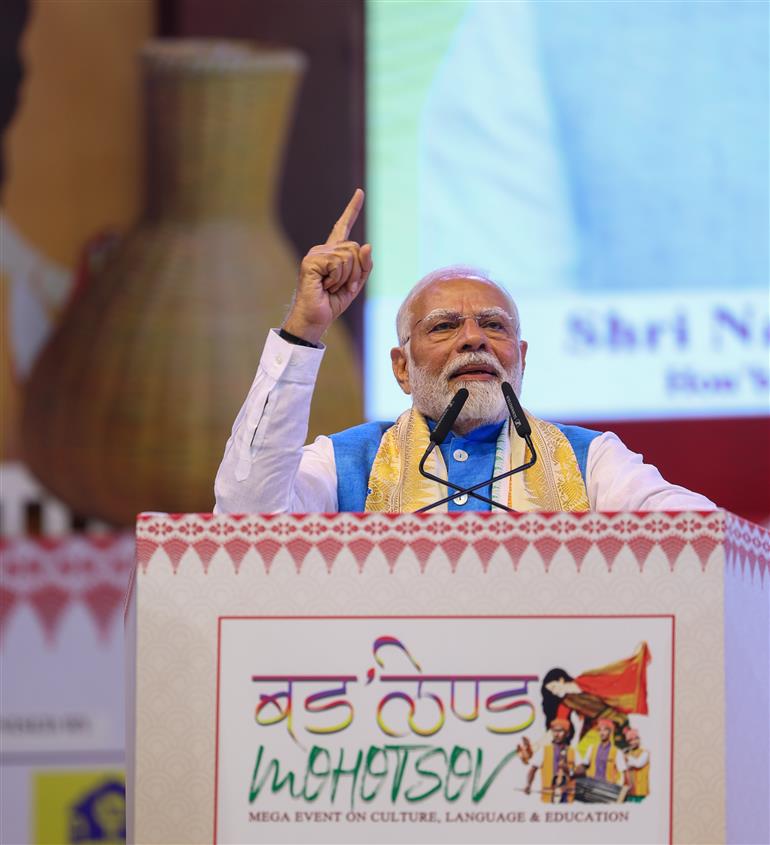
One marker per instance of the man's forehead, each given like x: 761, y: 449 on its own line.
x: 451, y: 294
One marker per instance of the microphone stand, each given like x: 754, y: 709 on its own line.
x: 446, y: 483
x: 470, y: 490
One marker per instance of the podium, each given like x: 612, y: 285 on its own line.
x: 391, y: 678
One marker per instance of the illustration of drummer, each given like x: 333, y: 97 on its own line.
x: 604, y: 761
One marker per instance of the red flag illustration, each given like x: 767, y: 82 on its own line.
x: 622, y: 685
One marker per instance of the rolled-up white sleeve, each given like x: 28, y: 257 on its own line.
x: 266, y: 467
x: 618, y: 480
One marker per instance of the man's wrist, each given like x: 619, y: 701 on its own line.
x: 295, y: 339
x: 297, y: 326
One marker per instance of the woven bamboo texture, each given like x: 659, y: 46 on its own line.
x: 129, y: 405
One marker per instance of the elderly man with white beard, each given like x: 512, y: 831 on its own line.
x: 456, y: 329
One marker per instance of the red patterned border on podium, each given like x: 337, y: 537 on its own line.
x: 452, y: 535
x: 747, y: 546
x: 51, y: 574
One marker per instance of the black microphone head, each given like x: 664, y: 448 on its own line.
x: 520, y: 421
x: 449, y: 417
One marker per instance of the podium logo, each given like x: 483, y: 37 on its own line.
x: 444, y: 720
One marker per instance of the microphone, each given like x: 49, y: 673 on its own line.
x: 523, y: 429
x: 448, y: 418
x: 520, y: 421
x: 438, y: 436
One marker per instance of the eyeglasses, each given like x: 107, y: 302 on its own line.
x: 443, y: 325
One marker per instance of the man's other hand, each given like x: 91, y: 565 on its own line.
x: 331, y: 276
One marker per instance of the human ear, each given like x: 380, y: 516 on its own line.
x: 399, y: 362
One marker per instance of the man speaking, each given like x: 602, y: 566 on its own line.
x: 461, y: 358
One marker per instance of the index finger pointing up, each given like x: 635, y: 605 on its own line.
x: 342, y: 228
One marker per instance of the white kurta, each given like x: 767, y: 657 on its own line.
x: 267, y: 468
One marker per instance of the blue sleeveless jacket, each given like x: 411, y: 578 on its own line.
x: 355, y: 450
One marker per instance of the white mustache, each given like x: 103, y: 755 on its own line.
x: 468, y: 359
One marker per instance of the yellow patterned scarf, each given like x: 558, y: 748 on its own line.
x: 554, y: 483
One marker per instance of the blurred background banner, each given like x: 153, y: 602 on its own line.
x: 600, y: 160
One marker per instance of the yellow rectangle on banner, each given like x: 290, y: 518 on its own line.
x: 79, y: 806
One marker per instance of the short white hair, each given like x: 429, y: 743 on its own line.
x: 445, y: 274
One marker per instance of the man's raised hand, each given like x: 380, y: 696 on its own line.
x: 331, y: 276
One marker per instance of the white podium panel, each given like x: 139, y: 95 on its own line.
x: 390, y: 678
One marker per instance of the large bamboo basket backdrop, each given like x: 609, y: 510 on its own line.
x: 129, y: 405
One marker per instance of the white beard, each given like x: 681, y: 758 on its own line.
x: 485, y: 404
